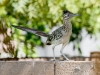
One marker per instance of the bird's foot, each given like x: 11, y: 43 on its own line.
x: 54, y: 60
x: 66, y: 60
x: 69, y: 60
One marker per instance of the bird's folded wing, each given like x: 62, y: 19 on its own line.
x: 34, y: 31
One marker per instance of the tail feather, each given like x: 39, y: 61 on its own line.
x: 33, y: 31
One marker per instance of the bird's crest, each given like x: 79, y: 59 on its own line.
x: 65, y: 11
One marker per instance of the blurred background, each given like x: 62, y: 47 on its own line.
x: 47, y: 15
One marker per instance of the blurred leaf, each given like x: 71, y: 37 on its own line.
x: 44, y: 14
x: 5, y: 40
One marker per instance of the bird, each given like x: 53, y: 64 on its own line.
x: 60, y: 35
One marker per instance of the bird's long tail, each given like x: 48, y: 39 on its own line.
x: 33, y: 31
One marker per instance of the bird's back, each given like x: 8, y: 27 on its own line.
x: 59, y: 36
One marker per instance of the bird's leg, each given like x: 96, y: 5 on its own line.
x: 61, y: 51
x: 54, y: 53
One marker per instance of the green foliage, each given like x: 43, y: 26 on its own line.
x: 44, y: 14
x: 5, y: 38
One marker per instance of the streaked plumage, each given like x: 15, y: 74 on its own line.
x: 59, y: 36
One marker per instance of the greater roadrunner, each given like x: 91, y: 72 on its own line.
x: 59, y: 36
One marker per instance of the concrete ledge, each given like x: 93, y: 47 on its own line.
x: 49, y: 68
x: 26, y: 68
x: 75, y: 68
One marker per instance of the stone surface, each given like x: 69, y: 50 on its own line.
x: 49, y: 68
x: 75, y: 68
x: 26, y: 68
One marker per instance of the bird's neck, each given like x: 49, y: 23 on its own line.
x: 67, y: 23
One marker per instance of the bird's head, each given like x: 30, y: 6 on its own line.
x: 68, y: 14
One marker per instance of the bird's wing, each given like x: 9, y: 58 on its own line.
x: 33, y: 31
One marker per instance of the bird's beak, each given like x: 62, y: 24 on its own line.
x: 76, y: 15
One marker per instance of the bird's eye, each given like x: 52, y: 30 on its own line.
x: 66, y: 15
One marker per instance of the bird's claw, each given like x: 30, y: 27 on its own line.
x: 54, y: 60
